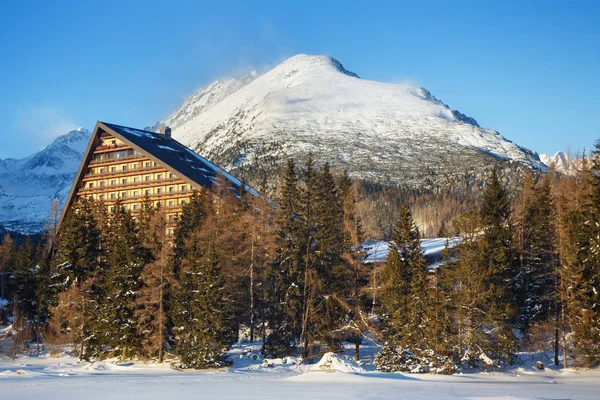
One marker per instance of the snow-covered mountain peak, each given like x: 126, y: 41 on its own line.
x: 304, y: 63
x: 28, y: 185
x: 313, y: 103
x: 561, y: 161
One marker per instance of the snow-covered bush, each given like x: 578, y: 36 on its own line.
x: 392, y: 359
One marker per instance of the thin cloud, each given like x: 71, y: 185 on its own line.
x: 40, y: 124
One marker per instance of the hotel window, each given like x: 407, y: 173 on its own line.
x: 155, y: 164
x: 113, y: 182
x: 183, y: 188
x: 147, y: 192
x: 113, y: 195
x: 112, y: 209
x: 171, y: 218
x: 101, y: 170
x: 113, y: 169
x: 101, y: 197
x: 158, y: 190
x: 101, y: 184
x: 135, y: 193
x: 171, y: 232
x: 147, y: 164
x: 124, y: 167
x: 123, y: 195
x: 91, y: 185
x: 124, y: 181
x: 159, y: 177
x: 171, y: 203
x: 171, y: 176
x: 136, y: 179
x: 182, y: 201
x: 90, y: 197
x: 135, y: 207
x: 147, y: 178
x: 171, y: 189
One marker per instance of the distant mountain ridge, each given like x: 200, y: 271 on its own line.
x: 28, y: 185
x: 561, y: 161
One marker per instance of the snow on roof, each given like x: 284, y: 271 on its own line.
x: 177, y: 156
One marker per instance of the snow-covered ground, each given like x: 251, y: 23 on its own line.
x: 30, y: 377
x: 377, y: 251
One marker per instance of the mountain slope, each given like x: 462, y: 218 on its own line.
x: 28, y: 185
x: 313, y: 104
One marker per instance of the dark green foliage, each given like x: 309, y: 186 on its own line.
x: 284, y: 277
x: 394, y: 359
x: 78, y: 244
x: 406, y: 300
x: 201, y: 305
x: 536, y: 280
x: 119, y: 284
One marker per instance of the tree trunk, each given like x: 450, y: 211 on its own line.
x: 252, y: 291
x: 161, y: 322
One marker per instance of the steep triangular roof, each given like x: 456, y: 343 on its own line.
x: 165, y: 151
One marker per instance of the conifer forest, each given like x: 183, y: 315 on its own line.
x: 287, y: 271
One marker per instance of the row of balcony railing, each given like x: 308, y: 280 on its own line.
x: 116, y: 185
x: 129, y: 171
x: 143, y: 196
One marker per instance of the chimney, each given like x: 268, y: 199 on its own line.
x: 168, y: 132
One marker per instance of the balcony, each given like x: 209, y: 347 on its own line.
x: 133, y: 171
x: 105, y: 148
x: 142, y: 184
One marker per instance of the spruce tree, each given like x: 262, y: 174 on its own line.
x: 6, y: 265
x: 499, y: 262
x: 120, y: 283
x: 537, y: 254
x: 156, y: 276
x: 284, y: 275
x: 199, y: 311
x: 332, y: 271
x: 78, y: 243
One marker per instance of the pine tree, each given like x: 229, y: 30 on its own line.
x: 78, y: 256
x: 309, y: 279
x: 580, y: 274
x: 199, y: 311
x: 283, y: 277
x: 472, y: 295
x: 78, y: 243
x: 353, y: 255
x: 332, y: 271
x: 406, y: 297
x: 120, y: 283
x: 156, y: 276
x: 24, y: 276
x: 6, y: 265
x: 537, y: 255
x: 500, y: 263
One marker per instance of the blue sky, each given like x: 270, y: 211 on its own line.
x: 529, y: 69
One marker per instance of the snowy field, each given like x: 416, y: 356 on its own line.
x: 30, y: 377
